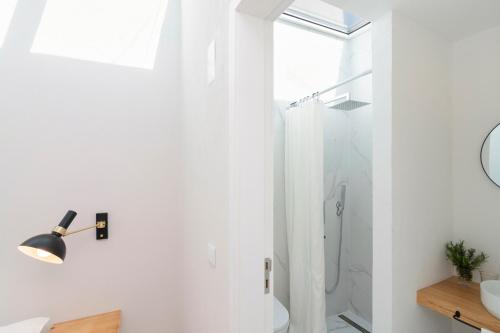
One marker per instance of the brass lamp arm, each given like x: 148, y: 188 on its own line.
x: 63, y: 232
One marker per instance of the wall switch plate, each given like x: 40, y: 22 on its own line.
x: 211, y: 62
x: 212, y: 255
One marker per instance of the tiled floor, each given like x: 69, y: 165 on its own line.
x: 337, y: 325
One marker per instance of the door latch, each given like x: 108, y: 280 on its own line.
x: 268, y: 267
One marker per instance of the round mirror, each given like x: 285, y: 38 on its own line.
x: 490, y: 155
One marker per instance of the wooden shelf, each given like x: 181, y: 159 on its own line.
x: 102, y: 323
x: 451, y: 295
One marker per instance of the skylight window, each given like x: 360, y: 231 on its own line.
x: 7, y: 8
x: 118, y: 32
x: 325, y: 15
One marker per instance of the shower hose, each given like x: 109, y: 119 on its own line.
x: 340, y: 213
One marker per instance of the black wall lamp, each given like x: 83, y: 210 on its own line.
x: 51, y: 248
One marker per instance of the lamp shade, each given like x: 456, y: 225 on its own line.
x: 49, y: 247
x: 46, y: 247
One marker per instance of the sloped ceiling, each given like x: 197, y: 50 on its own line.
x: 453, y: 19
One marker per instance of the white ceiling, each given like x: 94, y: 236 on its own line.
x: 454, y: 19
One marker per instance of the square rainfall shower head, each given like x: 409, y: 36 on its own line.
x: 345, y: 103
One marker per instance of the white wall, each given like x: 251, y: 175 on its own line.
x: 476, y: 78
x: 443, y: 105
x: 421, y: 164
x: 205, y: 170
x: 382, y: 174
x: 90, y: 137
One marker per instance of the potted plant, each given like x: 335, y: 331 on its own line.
x: 465, y: 260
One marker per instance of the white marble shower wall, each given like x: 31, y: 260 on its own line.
x: 337, y: 172
x: 348, y: 157
x: 354, y: 133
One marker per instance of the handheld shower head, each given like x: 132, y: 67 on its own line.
x: 341, y: 202
x: 340, y: 214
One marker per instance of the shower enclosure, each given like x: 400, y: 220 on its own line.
x: 346, y: 173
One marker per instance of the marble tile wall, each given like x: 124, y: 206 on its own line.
x: 358, y: 212
x: 337, y: 162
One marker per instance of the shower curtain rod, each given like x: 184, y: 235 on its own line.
x: 340, y: 84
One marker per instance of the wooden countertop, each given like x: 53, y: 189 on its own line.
x: 451, y: 295
x: 102, y: 323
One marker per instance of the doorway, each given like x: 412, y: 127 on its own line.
x: 252, y: 151
x: 322, y: 173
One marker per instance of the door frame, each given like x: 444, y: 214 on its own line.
x: 250, y: 50
x: 250, y: 94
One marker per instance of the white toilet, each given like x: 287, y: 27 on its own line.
x: 281, y: 317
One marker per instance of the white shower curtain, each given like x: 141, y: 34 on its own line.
x: 304, y: 215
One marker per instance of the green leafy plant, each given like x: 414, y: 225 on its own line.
x: 465, y: 260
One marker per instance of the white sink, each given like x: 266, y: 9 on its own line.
x: 490, y: 296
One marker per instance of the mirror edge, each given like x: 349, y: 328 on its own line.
x: 481, y: 155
